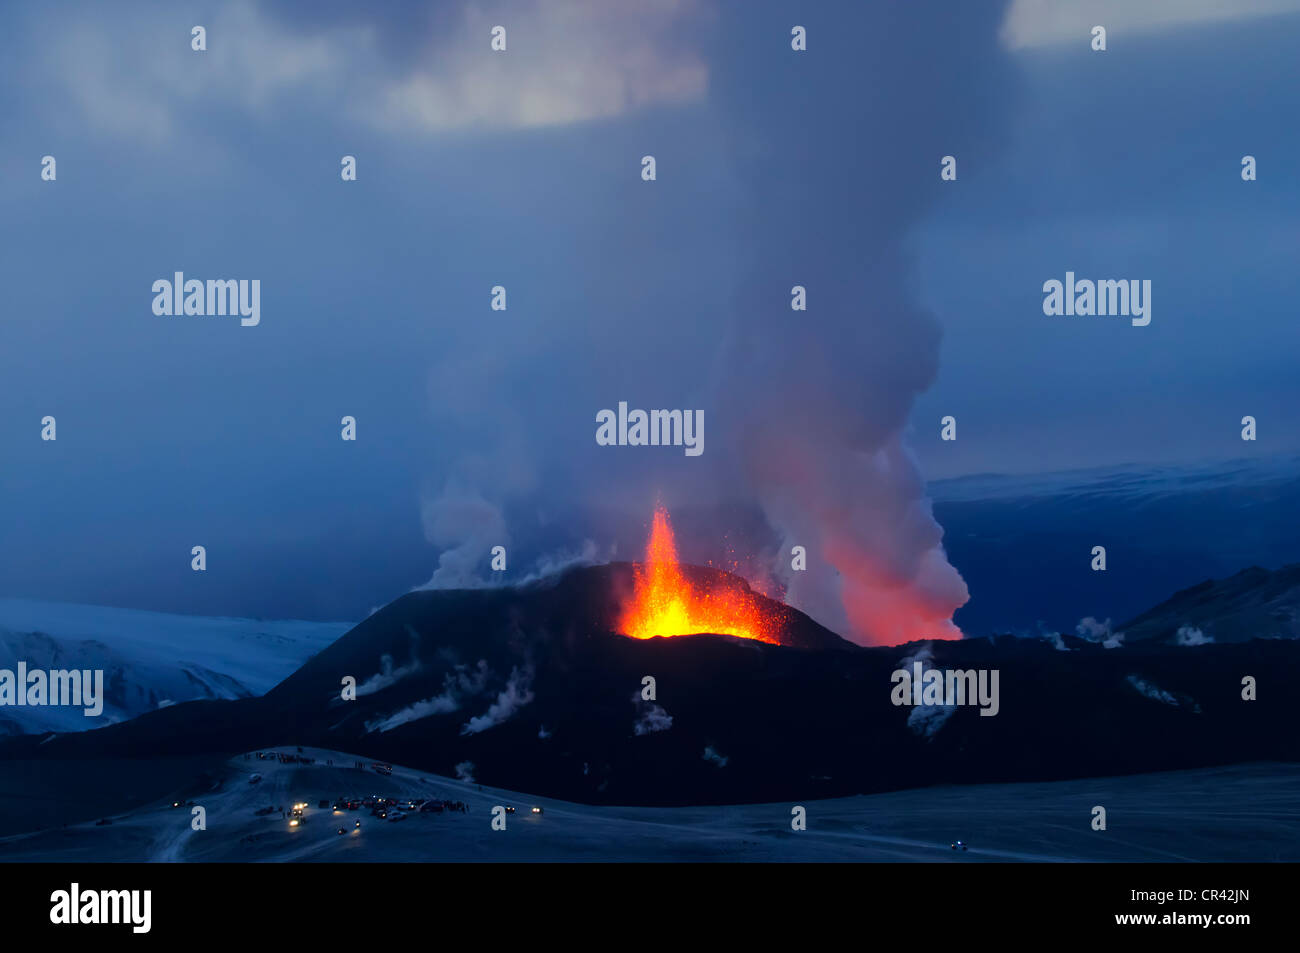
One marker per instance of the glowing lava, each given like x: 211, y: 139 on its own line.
x: 665, y: 603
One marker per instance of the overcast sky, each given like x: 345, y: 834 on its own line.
x: 523, y: 169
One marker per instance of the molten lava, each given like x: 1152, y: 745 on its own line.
x: 666, y: 603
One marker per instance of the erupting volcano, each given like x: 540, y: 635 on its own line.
x: 666, y: 603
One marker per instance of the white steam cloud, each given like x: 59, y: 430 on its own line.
x: 389, y: 673
x: 553, y: 564
x: 651, y: 717
x: 1094, y: 631
x: 925, y: 720
x: 466, y: 527
x: 1149, y: 689
x: 517, y: 693
x: 458, y: 685
x: 1190, y: 635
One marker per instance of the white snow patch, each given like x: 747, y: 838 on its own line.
x: 149, y: 657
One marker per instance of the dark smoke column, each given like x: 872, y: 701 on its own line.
x: 837, y: 152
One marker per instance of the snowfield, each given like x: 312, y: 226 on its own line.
x: 149, y: 659
x: 1240, y: 813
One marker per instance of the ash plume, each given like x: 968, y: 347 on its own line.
x: 782, y: 168
x: 820, y: 399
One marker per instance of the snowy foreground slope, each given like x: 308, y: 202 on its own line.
x: 150, y: 659
x: 1239, y: 813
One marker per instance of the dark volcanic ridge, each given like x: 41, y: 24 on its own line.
x: 531, y: 689
x: 1254, y: 603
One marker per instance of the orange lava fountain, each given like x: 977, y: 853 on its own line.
x: 667, y: 604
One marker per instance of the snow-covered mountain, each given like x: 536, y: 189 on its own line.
x: 1024, y: 543
x: 149, y: 659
